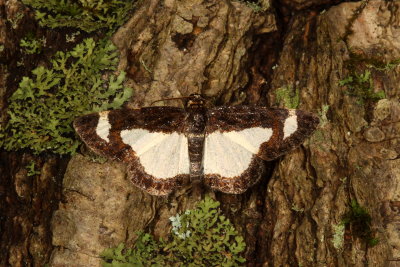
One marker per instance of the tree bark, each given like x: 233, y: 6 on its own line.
x: 234, y: 55
x: 27, y: 202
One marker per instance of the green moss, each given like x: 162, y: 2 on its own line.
x: 296, y: 208
x: 147, y: 252
x: 96, y: 158
x: 14, y: 20
x: 359, y: 221
x: 31, y: 45
x: 199, y: 237
x: 382, y: 66
x: 361, y: 85
x: 288, y: 97
x: 256, y: 5
x: 2, y: 135
x: 356, y: 61
x: 86, y: 15
x: 32, y: 169
x: 360, y: 82
x: 43, y: 107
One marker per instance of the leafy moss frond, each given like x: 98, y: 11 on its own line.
x: 43, y: 107
x: 200, y: 237
x: 86, y: 15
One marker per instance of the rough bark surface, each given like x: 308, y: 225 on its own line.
x: 173, y: 48
x: 354, y: 153
x: 225, y: 50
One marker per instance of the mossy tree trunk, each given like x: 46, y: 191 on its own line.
x: 294, y: 54
x: 28, y: 195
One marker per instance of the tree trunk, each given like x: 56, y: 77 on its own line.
x: 225, y: 50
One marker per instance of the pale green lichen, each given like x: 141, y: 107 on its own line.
x: 93, y: 157
x: 288, y: 97
x: 176, y: 222
x: 43, y: 107
x: 257, y: 5
x: 323, y: 119
x: 70, y: 38
x: 199, y: 237
x: 338, y: 236
x: 296, y: 208
x: 320, y: 136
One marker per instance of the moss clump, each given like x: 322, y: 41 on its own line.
x: 381, y: 66
x: 361, y: 85
x: 31, y: 168
x: 358, y: 220
x: 200, y: 237
x: 15, y: 19
x: 31, y: 45
x: 147, y: 252
x: 288, y: 97
x: 42, y: 109
x: 86, y: 15
x: 257, y: 5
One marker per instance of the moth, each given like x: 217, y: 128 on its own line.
x: 224, y: 146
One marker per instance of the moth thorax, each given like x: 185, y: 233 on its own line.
x: 195, y: 101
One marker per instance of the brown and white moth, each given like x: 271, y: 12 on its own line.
x: 166, y: 146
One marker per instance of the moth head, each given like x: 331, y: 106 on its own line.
x: 195, y: 100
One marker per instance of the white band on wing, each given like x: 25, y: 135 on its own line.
x: 290, y: 125
x: 103, y: 126
x: 229, y: 154
x: 151, y: 147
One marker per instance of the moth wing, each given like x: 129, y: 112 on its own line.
x: 150, y: 140
x: 238, y: 137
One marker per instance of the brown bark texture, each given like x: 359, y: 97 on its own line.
x: 232, y: 54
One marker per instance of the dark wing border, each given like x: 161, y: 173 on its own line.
x: 153, y: 119
x: 237, y: 118
x: 238, y: 184
x: 152, y: 185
